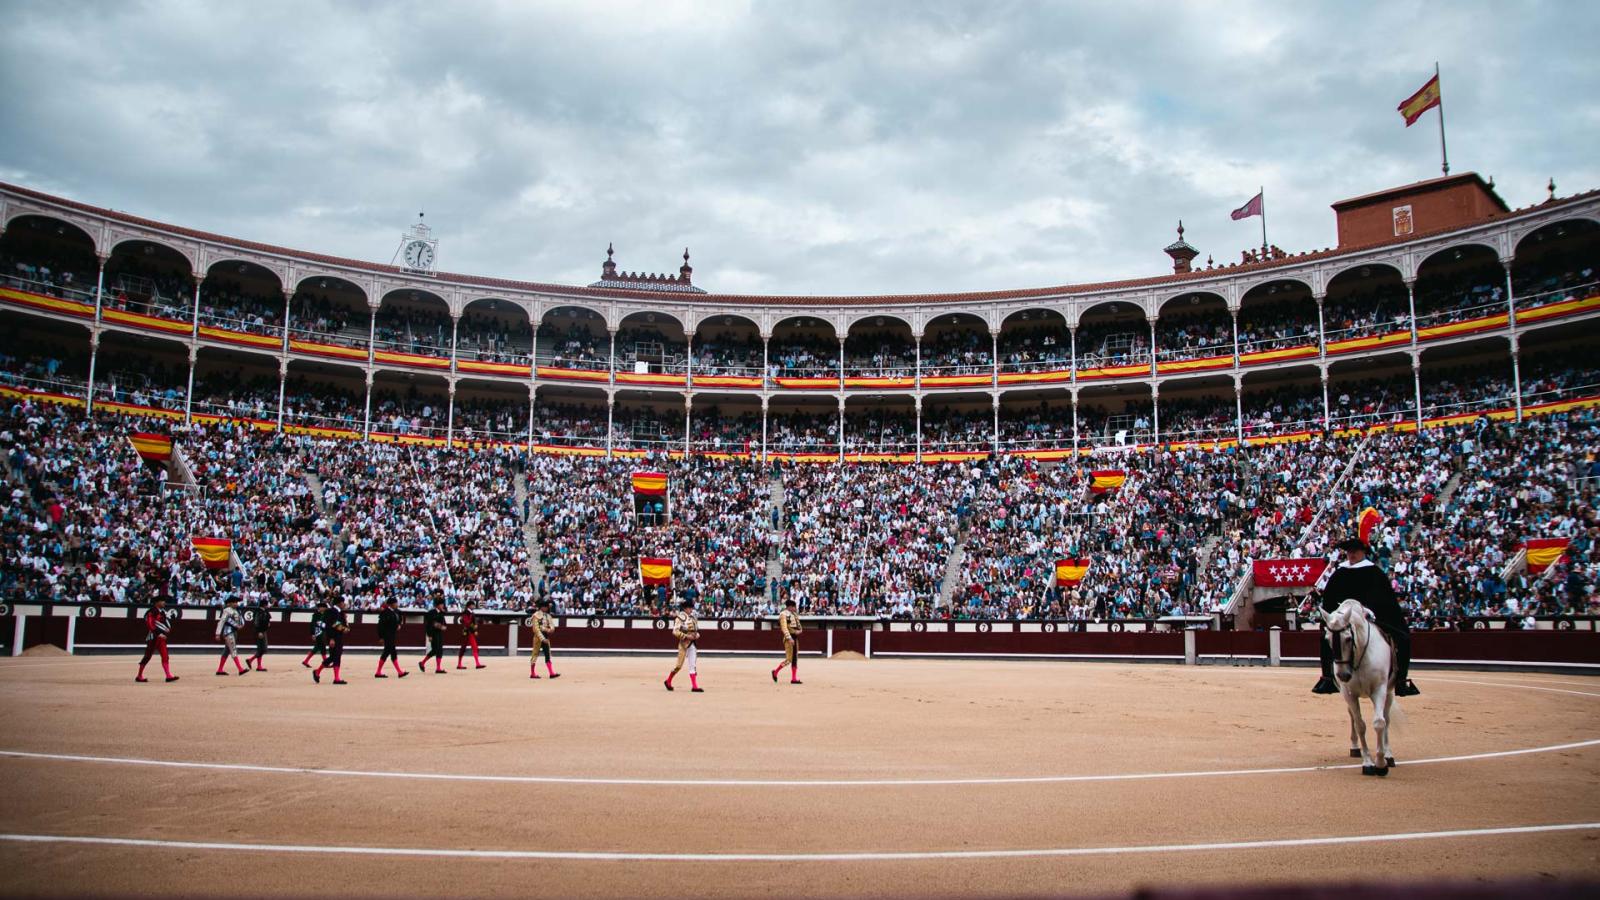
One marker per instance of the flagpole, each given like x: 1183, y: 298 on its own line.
x: 1262, y: 190
x: 1444, y: 158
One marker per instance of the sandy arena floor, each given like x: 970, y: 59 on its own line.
x: 882, y: 778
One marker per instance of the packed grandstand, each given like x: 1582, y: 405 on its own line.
x: 362, y: 431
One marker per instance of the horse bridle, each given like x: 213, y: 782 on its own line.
x: 1354, y: 663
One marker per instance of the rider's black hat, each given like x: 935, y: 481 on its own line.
x: 1352, y: 544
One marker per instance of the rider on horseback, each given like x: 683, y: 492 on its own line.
x: 1358, y: 579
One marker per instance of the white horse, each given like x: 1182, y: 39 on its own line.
x: 1364, y: 663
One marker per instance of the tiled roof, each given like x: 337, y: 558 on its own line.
x: 485, y: 283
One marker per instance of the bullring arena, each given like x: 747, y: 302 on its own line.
x: 1055, y: 562
x: 885, y: 777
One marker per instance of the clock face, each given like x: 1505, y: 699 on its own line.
x: 419, y: 255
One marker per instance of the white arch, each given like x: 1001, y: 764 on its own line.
x: 366, y: 296
x: 424, y: 293
x: 12, y: 215
x: 1463, y: 244
x: 1244, y: 292
x: 715, y: 317
x: 236, y: 260
x: 861, y: 317
x: 155, y: 241
x: 527, y: 312
x: 624, y: 315
x: 1515, y: 236
x: 1140, y: 305
x: 830, y: 321
x: 1398, y: 266
x: 1162, y: 306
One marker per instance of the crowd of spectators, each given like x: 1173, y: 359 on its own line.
x: 413, y: 330
x: 871, y: 539
x: 495, y: 339
x: 716, y: 525
x: 966, y: 351
x: 1027, y: 348
x: 572, y: 347
x: 1122, y: 343
x: 321, y: 318
x: 727, y: 353
x: 1143, y: 540
x: 228, y: 304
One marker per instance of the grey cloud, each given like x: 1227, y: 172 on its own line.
x: 795, y: 147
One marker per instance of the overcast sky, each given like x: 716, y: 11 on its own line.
x: 794, y: 147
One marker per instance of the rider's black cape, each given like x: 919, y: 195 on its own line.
x: 1369, y: 585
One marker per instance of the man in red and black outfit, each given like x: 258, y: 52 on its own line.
x: 389, y: 620
x: 469, y: 636
x: 433, y: 626
x: 337, y: 624
x: 156, y: 627
x: 260, y: 620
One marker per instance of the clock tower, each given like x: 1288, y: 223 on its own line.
x: 419, y: 249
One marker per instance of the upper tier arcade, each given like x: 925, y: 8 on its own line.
x: 1457, y: 275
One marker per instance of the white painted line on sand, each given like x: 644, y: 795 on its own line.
x: 889, y: 856
x: 747, y: 782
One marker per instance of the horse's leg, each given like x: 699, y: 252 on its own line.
x: 1355, y: 740
x: 1358, y: 727
x: 1388, y: 715
x: 1380, y: 726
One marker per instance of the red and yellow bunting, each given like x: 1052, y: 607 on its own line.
x: 151, y: 447
x: 214, y: 551
x: 650, y: 484
x: 655, y: 570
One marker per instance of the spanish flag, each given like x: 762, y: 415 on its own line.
x: 1414, y: 106
x: 650, y: 484
x: 1544, y: 553
x: 213, y: 551
x: 1071, y: 571
x: 654, y: 570
x: 154, y: 448
x: 1367, y: 521
x: 1102, y: 480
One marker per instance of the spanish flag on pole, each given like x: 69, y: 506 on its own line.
x: 1544, y: 553
x: 213, y: 551
x: 1367, y: 521
x: 1071, y: 571
x: 649, y: 484
x: 1102, y: 480
x: 1423, y: 100
x: 655, y: 570
x: 156, y: 448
